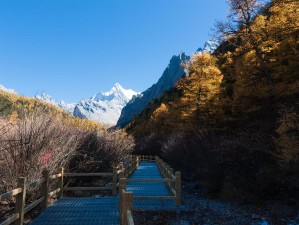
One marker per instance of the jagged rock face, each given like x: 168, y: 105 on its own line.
x: 102, y: 107
x: 170, y: 76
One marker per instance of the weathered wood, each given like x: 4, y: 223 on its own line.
x: 87, y: 174
x: 114, y: 190
x: 34, y: 204
x: 10, y: 220
x: 10, y: 194
x: 20, y: 201
x: 121, y: 174
x: 55, y: 176
x: 45, y: 188
x: 127, y: 205
x: 54, y: 192
x: 178, y: 188
x: 35, y: 183
x: 122, y: 188
x: 60, y: 183
x: 173, y: 191
x: 87, y: 188
x: 130, y: 220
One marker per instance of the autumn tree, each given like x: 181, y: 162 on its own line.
x: 200, y: 91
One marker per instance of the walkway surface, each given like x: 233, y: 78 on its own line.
x: 79, y: 211
x: 149, y: 170
x: 105, y: 210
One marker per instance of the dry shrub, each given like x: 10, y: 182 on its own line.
x: 32, y: 142
x: 241, y: 160
x: 102, y: 149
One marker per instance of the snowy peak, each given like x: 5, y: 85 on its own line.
x: 7, y: 89
x: 46, y: 98
x: 117, y: 91
x: 68, y: 107
x: 209, y: 47
x: 104, y: 107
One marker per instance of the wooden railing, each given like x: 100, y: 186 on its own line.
x: 173, y: 183
x: 174, y: 180
x: 119, y: 176
x: 20, y: 194
x: 125, y: 204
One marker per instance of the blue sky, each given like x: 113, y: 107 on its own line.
x: 73, y: 49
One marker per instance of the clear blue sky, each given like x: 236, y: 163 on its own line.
x: 73, y: 49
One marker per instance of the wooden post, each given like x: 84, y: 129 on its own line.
x: 121, y: 174
x: 122, y: 186
x: 170, y: 177
x: 60, y: 184
x: 20, y: 201
x: 178, y: 188
x: 114, y: 181
x: 45, y: 188
x: 127, y: 205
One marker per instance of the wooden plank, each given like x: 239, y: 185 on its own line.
x: 127, y: 205
x: 45, y: 188
x: 178, y: 188
x: 10, y: 220
x: 54, y: 192
x: 154, y: 197
x: 87, y: 188
x: 165, y: 180
x: 20, y: 201
x: 173, y: 191
x: 130, y: 220
x: 60, y: 184
x: 87, y: 174
x: 55, y: 176
x: 10, y: 194
x: 34, y: 204
x: 35, y: 183
x: 114, y: 181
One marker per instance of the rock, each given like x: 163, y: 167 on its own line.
x: 264, y: 222
x: 184, y: 222
x: 255, y: 216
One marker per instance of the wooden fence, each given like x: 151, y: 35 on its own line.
x: 119, y: 176
x: 20, y: 194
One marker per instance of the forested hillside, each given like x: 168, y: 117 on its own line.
x: 233, y: 121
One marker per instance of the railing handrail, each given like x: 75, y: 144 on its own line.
x: 121, y: 172
x: 20, y: 193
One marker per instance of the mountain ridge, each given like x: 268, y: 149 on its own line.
x: 103, y: 107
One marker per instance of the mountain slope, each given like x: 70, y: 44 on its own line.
x: 170, y: 76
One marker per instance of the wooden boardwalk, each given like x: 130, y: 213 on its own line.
x: 145, y: 183
x: 79, y: 211
x: 149, y: 170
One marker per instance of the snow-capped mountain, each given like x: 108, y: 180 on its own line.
x: 209, y: 47
x: 104, y: 107
x: 68, y: 107
x: 7, y: 89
